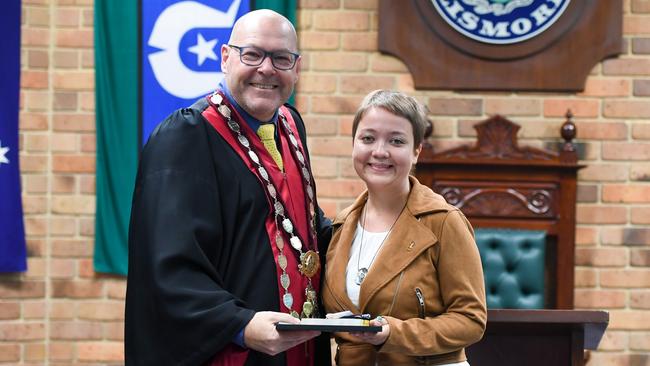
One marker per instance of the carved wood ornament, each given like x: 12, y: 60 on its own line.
x: 442, y: 45
x: 497, y: 183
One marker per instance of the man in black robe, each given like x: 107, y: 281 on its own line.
x: 206, y: 280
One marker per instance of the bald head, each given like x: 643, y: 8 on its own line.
x: 264, y: 22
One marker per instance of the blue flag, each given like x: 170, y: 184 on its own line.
x: 181, y: 54
x: 13, y: 256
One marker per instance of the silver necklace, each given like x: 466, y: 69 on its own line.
x: 362, y: 272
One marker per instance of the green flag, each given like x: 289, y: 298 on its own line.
x: 117, y: 122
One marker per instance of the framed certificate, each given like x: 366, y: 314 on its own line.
x: 330, y: 325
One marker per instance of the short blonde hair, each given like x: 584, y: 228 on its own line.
x: 398, y: 104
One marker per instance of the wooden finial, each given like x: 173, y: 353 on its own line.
x: 568, y: 132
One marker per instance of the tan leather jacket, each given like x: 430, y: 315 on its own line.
x: 431, y: 250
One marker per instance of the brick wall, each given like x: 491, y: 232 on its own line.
x: 60, y: 312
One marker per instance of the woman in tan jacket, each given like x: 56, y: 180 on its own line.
x: 400, y: 252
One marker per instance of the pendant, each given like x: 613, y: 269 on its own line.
x: 285, y: 281
x: 309, y: 263
x: 296, y: 243
x: 361, y: 275
x: 282, y: 261
x: 279, y: 242
x: 287, y: 300
x: 307, y: 308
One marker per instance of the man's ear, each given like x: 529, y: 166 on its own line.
x: 225, y: 54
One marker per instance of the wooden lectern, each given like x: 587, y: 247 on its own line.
x: 538, y: 337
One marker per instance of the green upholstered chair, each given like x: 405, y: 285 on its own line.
x: 513, y: 266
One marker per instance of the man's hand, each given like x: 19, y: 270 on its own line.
x: 260, y: 333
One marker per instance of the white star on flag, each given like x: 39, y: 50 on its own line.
x: 3, y: 152
x: 203, y: 49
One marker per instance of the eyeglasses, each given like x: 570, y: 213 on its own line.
x: 253, y: 56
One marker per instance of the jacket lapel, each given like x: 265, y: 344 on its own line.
x: 337, y: 264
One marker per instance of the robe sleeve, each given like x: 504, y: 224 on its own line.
x: 177, y: 311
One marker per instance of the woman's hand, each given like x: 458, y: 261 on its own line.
x: 376, y: 339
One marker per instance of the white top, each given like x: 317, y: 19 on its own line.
x: 371, y: 244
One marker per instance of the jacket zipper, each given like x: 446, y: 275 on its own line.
x: 420, y: 298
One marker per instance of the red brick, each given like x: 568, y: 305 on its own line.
x: 62, y: 226
x: 335, y: 104
x: 116, y: 289
x: 35, y: 352
x: 21, y: 331
x: 330, y: 146
x: 456, y: 106
x: 111, y: 311
x: 87, y: 184
x: 86, y: 268
x: 74, y: 122
x: 9, y: 353
x: 629, y: 319
x: 62, y: 268
x: 317, y: 83
x: 74, y: 80
x: 77, y: 289
x: 363, y: 84
x: 73, y: 204
x: 114, y: 331
x: 100, y: 351
x: 75, y: 330
x: 626, y: 151
x: 359, y: 41
x: 66, y: 59
x: 629, y: 278
x: 601, y: 131
x: 640, y: 215
x: 641, y: 46
x: 641, y: 131
x: 33, y: 163
x: 579, y: 107
x: 360, y: 4
x: 626, y: 67
x: 317, y: 125
x: 74, y: 38
x: 385, y: 63
x: 585, y: 277
x: 626, y: 109
x: 35, y: 226
x: 319, y: 4
x: 613, y: 341
x: 34, y: 205
x: 87, y: 227
x: 34, y: 79
x: 21, y: 289
x: 67, y: 17
x: 324, y: 167
x: 33, y: 121
x: 36, y: 143
x: 319, y: 40
x: 65, y: 101
x: 640, y: 6
x: 599, y: 299
x: 61, y: 351
x: 62, y: 310
x: 34, y: 309
x: 626, y: 193
x: 9, y: 310
x: 38, y: 59
x: 640, y: 341
x: 642, y: 88
x: 73, y: 164
x: 601, y: 214
x: 513, y: 107
x: 339, y: 61
x: 640, y: 257
x: 603, y: 172
x: 586, y: 236
x: 70, y: 248
x: 35, y: 37
x: 640, y: 299
x: 606, y: 87
x: 601, y: 257
x: 635, y: 25
x: 341, y: 188
x: 341, y: 20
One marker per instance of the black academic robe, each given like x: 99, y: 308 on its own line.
x: 200, y: 261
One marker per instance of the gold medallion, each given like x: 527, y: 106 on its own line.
x: 295, y: 314
x: 309, y: 263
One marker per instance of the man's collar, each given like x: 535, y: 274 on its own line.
x: 252, y: 122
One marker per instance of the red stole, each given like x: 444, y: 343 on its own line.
x: 289, y: 185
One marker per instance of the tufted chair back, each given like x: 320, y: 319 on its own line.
x: 513, y: 265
